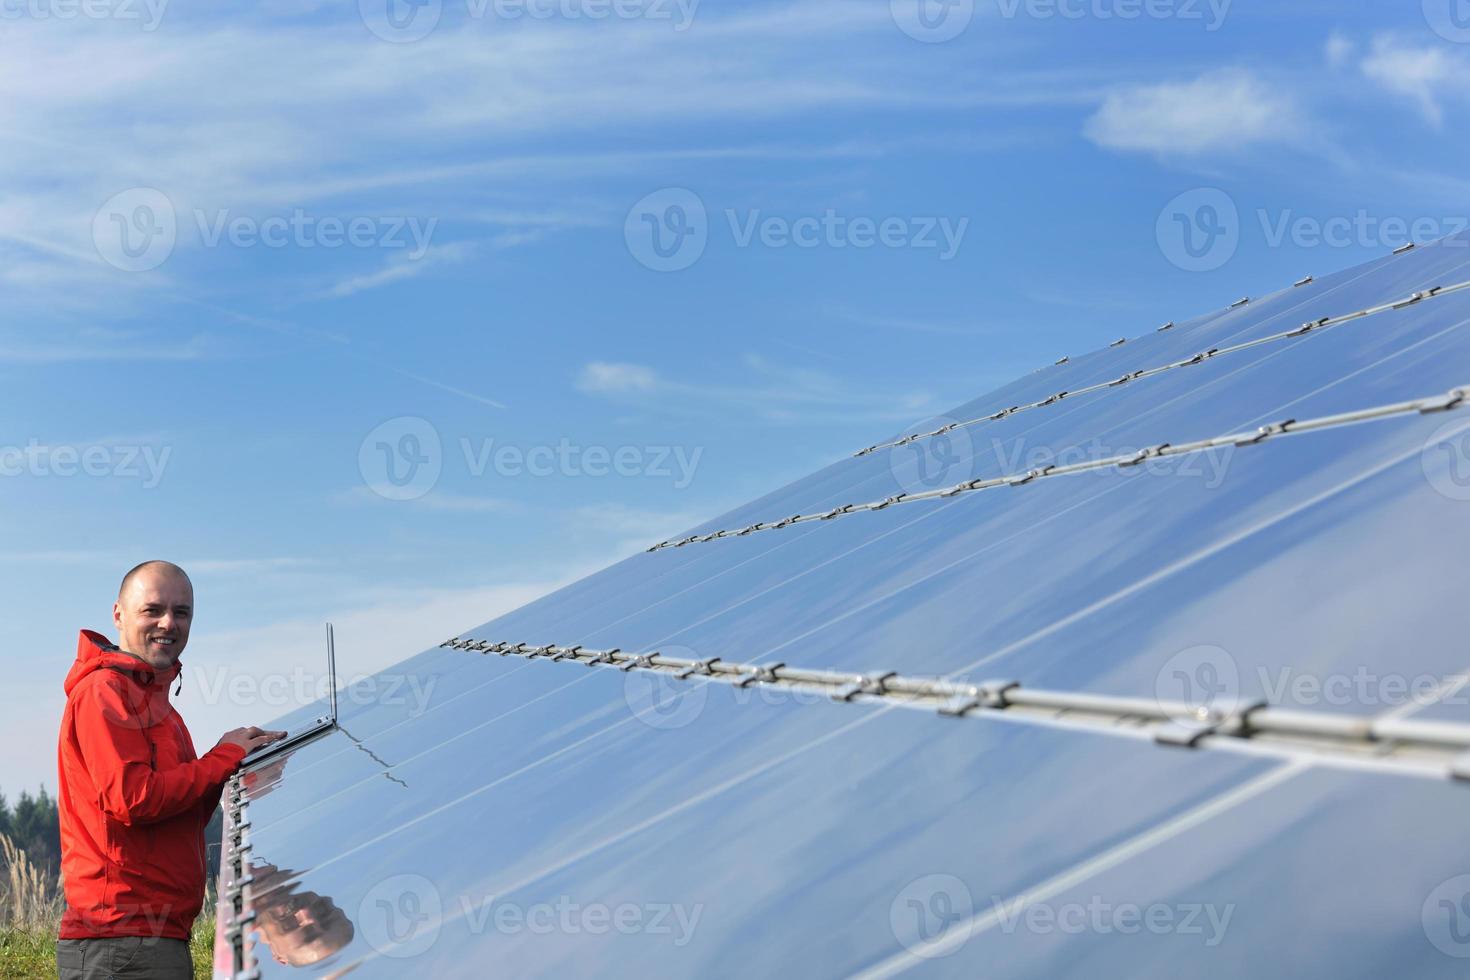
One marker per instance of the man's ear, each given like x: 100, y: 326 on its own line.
x: 117, y: 614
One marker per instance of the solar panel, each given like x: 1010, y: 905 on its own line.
x: 770, y: 790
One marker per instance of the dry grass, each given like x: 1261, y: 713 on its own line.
x: 30, y: 909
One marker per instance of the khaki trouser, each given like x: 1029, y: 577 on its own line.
x: 124, y: 958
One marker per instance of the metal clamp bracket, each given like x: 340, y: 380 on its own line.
x: 1187, y: 734
x: 698, y: 667
x: 642, y: 660
x: 763, y: 673
x: 1265, y: 432
x: 875, y: 685
x: 1143, y: 455
x: 1444, y: 403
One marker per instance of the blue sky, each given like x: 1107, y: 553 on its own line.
x: 402, y: 321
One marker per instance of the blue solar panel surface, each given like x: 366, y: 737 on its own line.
x: 538, y: 818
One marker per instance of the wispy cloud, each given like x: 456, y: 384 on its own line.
x: 1427, y: 75
x: 775, y: 392
x: 99, y: 345
x: 400, y: 266
x: 1218, y: 112
x: 609, y: 378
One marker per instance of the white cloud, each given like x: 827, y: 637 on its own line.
x: 606, y: 378
x: 1340, y: 49
x: 1218, y: 112
x: 1427, y: 75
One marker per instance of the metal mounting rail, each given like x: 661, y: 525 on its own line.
x: 1386, y: 743
x: 235, y: 880
x: 1312, y: 326
x: 1456, y: 398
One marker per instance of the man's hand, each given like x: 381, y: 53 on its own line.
x: 250, y: 738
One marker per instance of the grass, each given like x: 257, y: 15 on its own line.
x: 30, y: 909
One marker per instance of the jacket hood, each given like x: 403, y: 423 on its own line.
x: 96, y: 652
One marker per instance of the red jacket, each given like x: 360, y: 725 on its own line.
x: 134, y: 799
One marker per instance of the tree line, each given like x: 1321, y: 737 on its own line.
x: 33, y: 824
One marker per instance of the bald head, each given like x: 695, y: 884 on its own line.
x: 156, y: 566
x: 153, y: 612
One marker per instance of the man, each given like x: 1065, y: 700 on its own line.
x: 134, y: 798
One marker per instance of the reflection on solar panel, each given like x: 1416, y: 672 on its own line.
x: 732, y: 757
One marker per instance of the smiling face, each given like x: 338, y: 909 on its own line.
x: 153, y: 613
